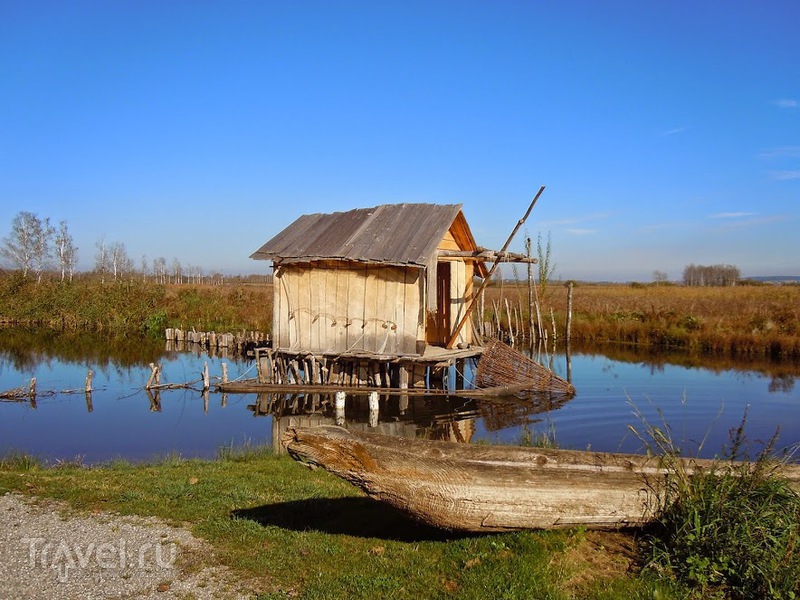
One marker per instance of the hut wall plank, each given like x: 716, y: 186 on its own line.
x: 396, y: 296
x: 414, y: 309
x: 458, y: 290
x: 355, y: 308
x: 449, y: 242
x: 280, y: 311
x: 341, y: 304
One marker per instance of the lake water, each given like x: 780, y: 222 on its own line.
x: 696, y: 399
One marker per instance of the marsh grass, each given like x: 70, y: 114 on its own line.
x: 728, y: 530
x: 19, y: 461
x: 536, y: 438
x: 740, y: 321
x: 133, y: 306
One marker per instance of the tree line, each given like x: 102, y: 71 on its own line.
x: 711, y: 275
x: 35, y: 247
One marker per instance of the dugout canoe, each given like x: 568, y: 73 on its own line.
x: 480, y: 488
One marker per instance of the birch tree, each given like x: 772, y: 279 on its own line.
x: 27, y: 247
x: 101, y: 259
x: 118, y: 259
x: 66, y: 251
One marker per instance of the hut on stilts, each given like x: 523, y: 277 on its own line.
x: 375, y: 298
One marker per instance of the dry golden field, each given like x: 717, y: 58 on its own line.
x: 744, y: 320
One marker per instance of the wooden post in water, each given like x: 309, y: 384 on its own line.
x: 224, y: 372
x: 32, y: 389
x: 155, y: 376
x: 206, y: 379
x: 88, y: 387
x: 568, y: 332
x: 569, y: 311
x: 530, y: 289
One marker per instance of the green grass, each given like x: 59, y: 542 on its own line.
x: 728, y: 530
x: 308, y: 534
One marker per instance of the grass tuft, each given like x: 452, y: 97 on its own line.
x: 15, y: 460
x: 731, y: 530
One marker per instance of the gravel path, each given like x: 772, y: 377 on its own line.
x: 49, y: 551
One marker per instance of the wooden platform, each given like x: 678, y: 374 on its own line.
x: 436, y: 369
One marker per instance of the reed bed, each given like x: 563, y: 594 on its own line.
x: 740, y: 321
x: 133, y: 306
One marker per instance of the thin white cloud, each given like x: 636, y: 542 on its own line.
x: 577, y: 231
x: 748, y: 223
x: 781, y: 152
x: 732, y: 215
x: 784, y: 175
x: 673, y: 131
x: 786, y: 103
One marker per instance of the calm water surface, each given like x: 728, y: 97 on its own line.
x: 120, y: 419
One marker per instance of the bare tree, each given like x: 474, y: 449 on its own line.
x: 660, y: 277
x: 66, y: 251
x: 177, y: 271
x: 101, y: 259
x: 27, y: 247
x: 118, y: 259
x: 160, y: 269
x: 144, y: 267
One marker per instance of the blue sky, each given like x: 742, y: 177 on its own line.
x: 666, y: 132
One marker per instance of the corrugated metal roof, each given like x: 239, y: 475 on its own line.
x: 396, y: 234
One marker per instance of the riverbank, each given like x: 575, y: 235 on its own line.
x: 746, y: 321
x: 133, y: 306
x: 292, y: 532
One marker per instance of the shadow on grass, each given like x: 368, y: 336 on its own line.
x: 358, y: 517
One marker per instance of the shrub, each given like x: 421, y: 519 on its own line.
x: 731, y: 530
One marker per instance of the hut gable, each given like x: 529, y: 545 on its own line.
x: 371, y: 280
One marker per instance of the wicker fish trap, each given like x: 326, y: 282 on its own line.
x: 502, y: 366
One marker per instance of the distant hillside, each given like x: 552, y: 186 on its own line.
x: 775, y: 278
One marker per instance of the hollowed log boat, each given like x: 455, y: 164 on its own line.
x: 482, y: 488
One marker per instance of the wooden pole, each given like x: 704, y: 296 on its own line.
x: 568, y: 332
x: 88, y: 387
x: 530, y: 289
x: 569, y: 310
x: 485, y: 282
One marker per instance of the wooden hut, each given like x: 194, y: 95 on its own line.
x: 391, y: 280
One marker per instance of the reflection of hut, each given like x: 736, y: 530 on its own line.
x: 388, y: 280
x: 430, y: 417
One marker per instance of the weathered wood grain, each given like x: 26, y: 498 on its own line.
x: 491, y: 488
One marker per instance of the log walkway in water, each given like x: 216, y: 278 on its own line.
x: 493, y: 488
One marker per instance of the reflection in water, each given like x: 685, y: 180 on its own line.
x: 659, y: 358
x: 430, y: 417
x: 119, y: 418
